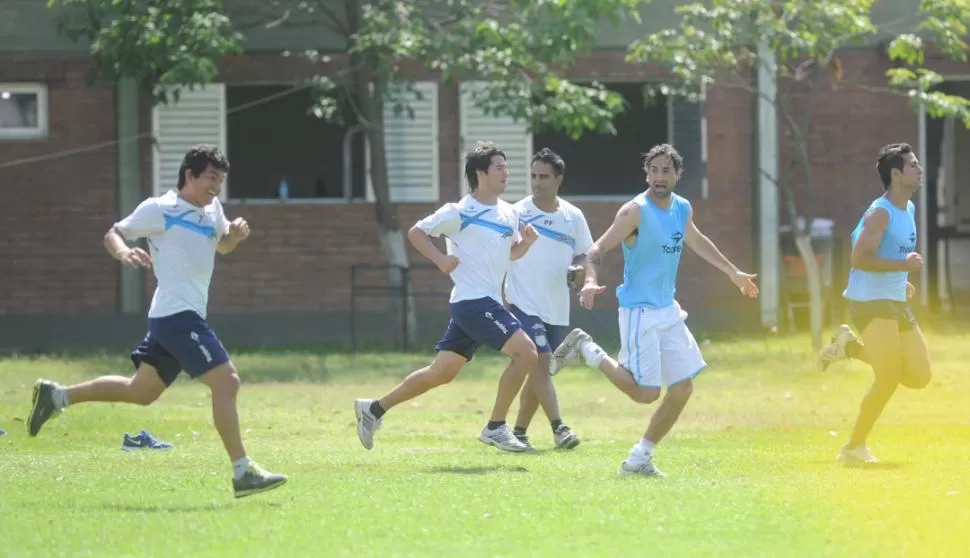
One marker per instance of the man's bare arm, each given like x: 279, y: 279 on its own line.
x: 115, y: 244
x: 706, y: 249
x: 624, y: 224
x: 864, y: 251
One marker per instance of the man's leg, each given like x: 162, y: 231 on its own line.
x: 880, y: 335
x: 539, y: 389
x: 680, y: 361
x: 454, y: 350
x: 636, y: 373
x: 524, y: 360
x: 917, y: 371
x: 188, y: 338
x: 156, y: 369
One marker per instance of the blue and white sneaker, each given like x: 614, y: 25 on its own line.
x: 143, y: 441
x: 2, y: 432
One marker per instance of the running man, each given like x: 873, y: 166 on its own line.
x: 483, y: 234
x: 184, y: 229
x: 657, y: 349
x: 538, y: 290
x: 883, y: 255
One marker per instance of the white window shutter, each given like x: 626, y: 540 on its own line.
x: 198, y: 117
x: 511, y: 136
x: 411, y: 146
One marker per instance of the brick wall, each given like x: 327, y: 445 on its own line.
x: 55, y: 212
x: 299, y: 256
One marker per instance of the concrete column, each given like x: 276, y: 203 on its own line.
x: 769, y: 250
x: 131, y: 282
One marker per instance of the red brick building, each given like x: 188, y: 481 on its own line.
x: 290, y: 283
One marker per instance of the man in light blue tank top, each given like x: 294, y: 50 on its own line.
x: 883, y: 255
x: 656, y: 347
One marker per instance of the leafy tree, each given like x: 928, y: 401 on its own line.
x: 521, y: 48
x: 799, y: 42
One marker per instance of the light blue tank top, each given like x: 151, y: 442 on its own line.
x: 898, y: 241
x: 650, y: 265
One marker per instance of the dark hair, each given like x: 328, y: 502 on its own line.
x: 551, y: 158
x: 891, y: 157
x: 479, y: 159
x: 198, y: 158
x: 664, y: 149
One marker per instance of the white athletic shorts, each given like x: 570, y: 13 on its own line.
x: 657, y: 347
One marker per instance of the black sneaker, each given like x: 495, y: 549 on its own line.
x: 43, y: 407
x: 256, y: 480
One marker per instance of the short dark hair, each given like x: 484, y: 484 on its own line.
x: 198, y: 158
x: 551, y: 158
x: 664, y: 149
x: 891, y: 157
x: 479, y: 159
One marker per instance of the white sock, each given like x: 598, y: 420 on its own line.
x: 592, y: 353
x: 239, y: 467
x: 60, y: 398
x: 645, y: 447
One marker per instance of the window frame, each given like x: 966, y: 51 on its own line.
x: 42, y: 130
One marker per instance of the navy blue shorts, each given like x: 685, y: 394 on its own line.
x: 177, y: 342
x: 482, y: 321
x: 546, y: 336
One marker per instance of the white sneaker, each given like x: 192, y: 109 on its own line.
x: 856, y: 456
x: 367, y: 423
x: 502, y: 438
x: 642, y: 467
x: 835, y: 351
x: 567, y: 351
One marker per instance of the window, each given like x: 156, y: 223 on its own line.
x: 608, y: 166
x: 273, y: 137
x: 23, y: 111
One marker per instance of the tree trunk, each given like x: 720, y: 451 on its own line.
x: 388, y: 228
x: 813, y: 280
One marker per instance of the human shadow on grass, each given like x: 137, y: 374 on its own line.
x: 880, y: 466
x: 478, y: 470
x: 181, y: 508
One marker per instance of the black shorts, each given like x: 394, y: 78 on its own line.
x: 864, y: 312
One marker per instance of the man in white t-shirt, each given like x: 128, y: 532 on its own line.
x: 483, y: 234
x: 537, y: 287
x: 184, y: 229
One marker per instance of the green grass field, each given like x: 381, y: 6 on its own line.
x: 751, y: 466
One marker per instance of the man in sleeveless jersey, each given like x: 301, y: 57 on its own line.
x: 883, y: 256
x: 184, y: 228
x: 538, y: 291
x: 657, y: 349
x: 483, y: 234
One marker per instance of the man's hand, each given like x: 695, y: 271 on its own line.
x: 745, y: 282
x: 529, y: 234
x: 914, y: 262
x: 575, y: 276
x: 447, y: 264
x: 135, y: 257
x: 238, y: 230
x: 587, y: 295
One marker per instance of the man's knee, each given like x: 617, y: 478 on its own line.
x: 916, y: 377
x: 681, y: 391
x: 522, y: 350
x: 146, y: 386
x: 444, y: 368
x: 223, y: 379
x: 645, y: 395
